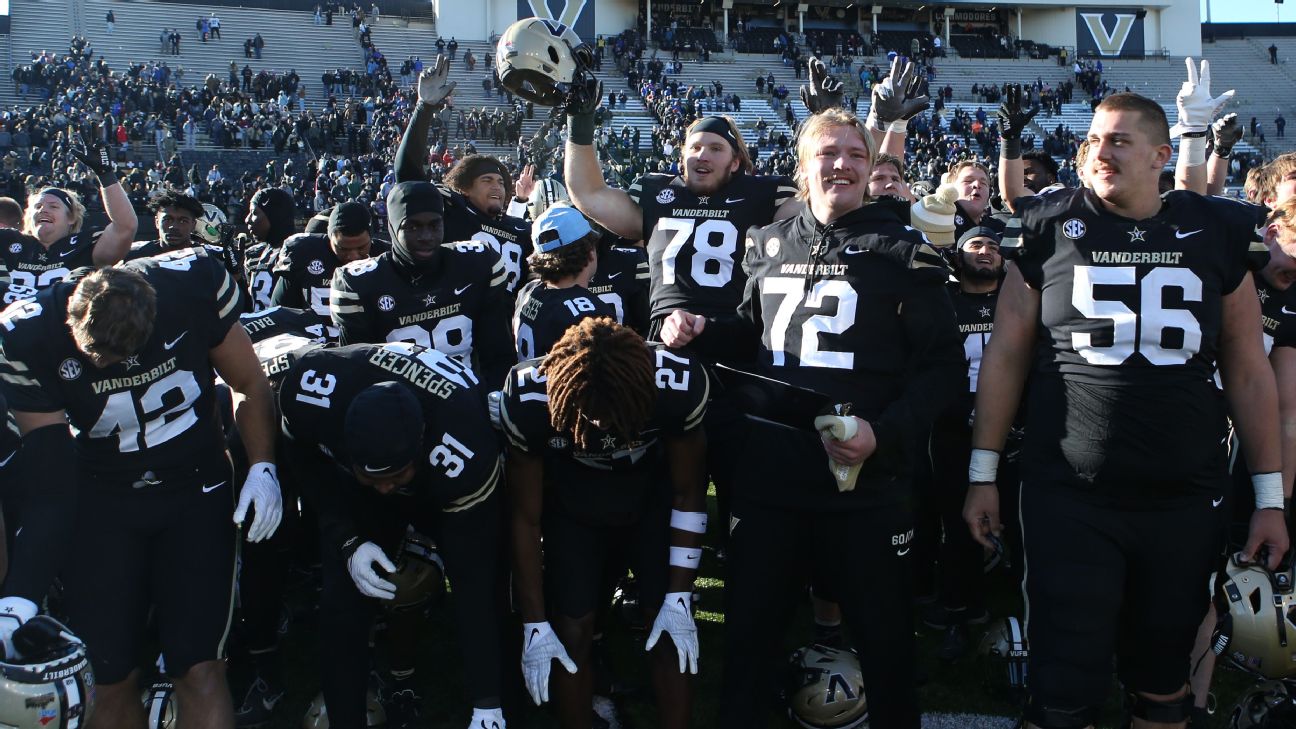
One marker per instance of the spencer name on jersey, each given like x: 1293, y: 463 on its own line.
x: 622, y: 281
x: 1131, y: 314
x: 543, y: 314
x: 695, y: 242
x: 510, y: 237
x: 280, y: 336
x: 373, y: 302
x: 25, y: 262
x: 151, y: 413
x: 306, y: 266
x: 460, y: 464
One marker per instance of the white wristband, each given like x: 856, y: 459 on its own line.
x: 689, y: 521
x: 1268, y: 490
x: 1193, y: 149
x: 984, y: 466
x: 899, y: 126
x: 687, y: 557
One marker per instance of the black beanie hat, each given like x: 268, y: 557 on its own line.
x: 279, y: 208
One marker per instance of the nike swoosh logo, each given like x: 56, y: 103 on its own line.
x: 534, y: 632
x: 729, y: 201
x: 209, y: 489
x: 1285, y: 310
x: 853, y: 249
x: 65, y: 254
x: 460, y: 291
x: 1216, y: 502
x: 174, y: 342
x: 374, y: 470
x: 1181, y: 234
x: 9, y: 458
x: 614, y: 275
x: 902, y: 552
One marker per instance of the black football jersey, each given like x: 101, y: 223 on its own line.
x: 280, y: 336
x: 509, y: 236
x: 25, y: 262
x: 306, y: 265
x: 259, y: 263
x: 1277, y: 314
x: 621, y: 280
x: 460, y: 463
x: 694, y: 242
x: 461, y: 310
x: 151, y: 414
x: 1122, y: 399
x: 975, y: 314
x: 542, y: 315
x: 147, y: 248
x: 614, y: 476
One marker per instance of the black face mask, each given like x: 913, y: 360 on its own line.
x: 405, y: 200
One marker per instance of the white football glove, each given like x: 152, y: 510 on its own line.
x: 676, y: 619
x: 495, y: 405
x: 261, y: 489
x: 366, y: 578
x: 1197, y: 108
x: 487, y: 719
x: 14, y: 611
x: 540, y: 647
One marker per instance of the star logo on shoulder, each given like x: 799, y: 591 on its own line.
x: 985, y: 312
x: 429, y: 300
x: 131, y: 362
x: 609, y: 442
x: 1138, y: 235
x: 42, y: 256
x: 1262, y: 295
x: 704, y: 200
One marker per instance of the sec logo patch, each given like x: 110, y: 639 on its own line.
x: 1074, y: 228
x: 386, y: 303
x: 315, y: 267
x: 666, y: 197
x: 69, y: 369
x: 772, y: 247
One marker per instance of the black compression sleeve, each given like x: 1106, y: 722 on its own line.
x: 40, y: 500
x: 471, y: 545
x: 414, y: 145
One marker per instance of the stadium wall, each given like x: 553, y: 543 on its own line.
x: 469, y: 20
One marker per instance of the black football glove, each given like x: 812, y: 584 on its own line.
x: 823, y: 91
x: 95, y: 156
x: 582, y: 100
x: 1013, y: 120
x: 1227, y: 132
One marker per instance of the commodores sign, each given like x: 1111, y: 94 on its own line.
x: 1109, y: 32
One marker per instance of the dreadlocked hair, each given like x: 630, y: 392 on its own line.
x: 600, y: 379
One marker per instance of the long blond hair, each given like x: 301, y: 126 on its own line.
x: 76, y: 210
x: 817, y: 124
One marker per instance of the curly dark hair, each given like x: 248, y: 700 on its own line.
x: 563, y: 262
x: 460, y: 177
x: 169, y: 197
x: 600, y: 379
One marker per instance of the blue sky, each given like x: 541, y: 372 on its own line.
x: 1249, y: 11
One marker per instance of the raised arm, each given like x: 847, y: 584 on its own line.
x: 612, y: 208
x: 434, y: 87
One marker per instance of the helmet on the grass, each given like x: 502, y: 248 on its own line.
x: 826, y: 688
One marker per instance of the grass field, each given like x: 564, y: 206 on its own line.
x: 965, y: 687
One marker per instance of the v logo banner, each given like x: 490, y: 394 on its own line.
x: 1125, y: 37
x: 570, y: 13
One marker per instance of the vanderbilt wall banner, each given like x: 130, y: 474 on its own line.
x: 1108, y: 32
x: 575, y: 14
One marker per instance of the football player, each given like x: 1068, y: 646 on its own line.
x: 382, y: 437
x: 1139, y: 297
x: 270, y: 220
x: 127, y: 356
x: 53, y: 242
x: 451, y: 298
x: 962, y: 598
x: 597, y: 430
x: 972, y: 180
x: 176, y: 216
x: 304, y: 272
x: 478, y: 187
x: 847, y: 301
x: 565, y: 258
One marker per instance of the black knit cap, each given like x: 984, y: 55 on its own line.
x: 383, y: 428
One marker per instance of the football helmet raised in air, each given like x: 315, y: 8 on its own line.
x: 1006, y: 641
x: 419, y: 575
x: 826, y: 688
x: 545, y: 193
x: 1254, y: 628
x: 210, y: 224
x: 160, y: 705
x: 541, y: 60
x: 317, y: 713
x: 1267, y: 705
x: 53, y: 685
